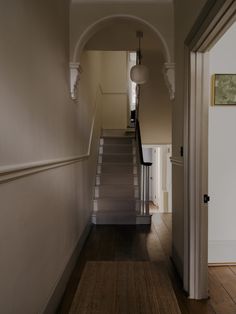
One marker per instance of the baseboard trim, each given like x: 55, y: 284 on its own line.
x: 59, y: 290
x: 222, y: 252
x: 222, y: 264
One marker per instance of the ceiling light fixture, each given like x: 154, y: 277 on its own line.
x: 139, y: 73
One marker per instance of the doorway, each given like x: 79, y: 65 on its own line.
x: 160, y: 180
x: 222, y: 151
x: 198, y: 44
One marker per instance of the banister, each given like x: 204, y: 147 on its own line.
x: 143, y: 173
x: 139, y: 144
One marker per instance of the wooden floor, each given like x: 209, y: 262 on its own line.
x: 142, y: 243
x: 125, y: 288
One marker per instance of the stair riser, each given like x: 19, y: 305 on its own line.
x: 120, y: 149
x: 115, y: 205
x: 116, y: 192
x: 117, y: 169
x: 125, y: 158
x: 116, y: 141
x: 116, y: 198
x: 107, y: 179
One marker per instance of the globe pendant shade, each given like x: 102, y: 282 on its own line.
x: 139, y: 74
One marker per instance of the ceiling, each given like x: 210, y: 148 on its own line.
x: 121, y: 35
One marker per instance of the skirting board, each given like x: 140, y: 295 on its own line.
x: 55, y: 299
x: 222, y: 252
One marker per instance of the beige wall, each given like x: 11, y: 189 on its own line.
x: 104, y: 75
x: 155, y: 108
x: 89, y: 94
x: 115, y: 89
x: 155, y: 104
x: 114, y: 72
x: 114, y: 111
x: 186, y: 13
x: 42, y: 215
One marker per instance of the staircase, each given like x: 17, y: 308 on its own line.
x: 116, y: 199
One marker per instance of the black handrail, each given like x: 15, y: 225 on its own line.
x: 139, y: 142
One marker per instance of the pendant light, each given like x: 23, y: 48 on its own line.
x: 139, y: 73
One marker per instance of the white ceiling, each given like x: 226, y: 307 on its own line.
x: 122, y: 1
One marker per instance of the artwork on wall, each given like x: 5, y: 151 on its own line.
x: 223, y: 89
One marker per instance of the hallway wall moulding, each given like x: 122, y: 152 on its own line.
x: 100, y: 23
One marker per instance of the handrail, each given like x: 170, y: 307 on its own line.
x: 13, y: 172
x: 139, y: 142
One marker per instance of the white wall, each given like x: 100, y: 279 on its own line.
x: 42, y: 215
x: 222, y: 156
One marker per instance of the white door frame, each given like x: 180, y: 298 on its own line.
x: 215, y: 18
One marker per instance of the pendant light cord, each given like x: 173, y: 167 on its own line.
x: 139, y: 34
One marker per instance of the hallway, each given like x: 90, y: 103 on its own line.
x: 143, y: 243
x: 65, y: 73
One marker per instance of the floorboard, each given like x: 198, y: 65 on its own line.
x: 143, y: 243
x: 125, y: 287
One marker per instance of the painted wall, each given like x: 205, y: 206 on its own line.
x: 155, y: 105
x: 42, y: 215
x: 160, y: 15
x: 186, y: 13
x: 222, y: 156
x: 89, y: 92
x: 114, y: 87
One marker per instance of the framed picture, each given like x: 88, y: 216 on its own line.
x: 224, y: 89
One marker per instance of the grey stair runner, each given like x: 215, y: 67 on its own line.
x: 116, y: 197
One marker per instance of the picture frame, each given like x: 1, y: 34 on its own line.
x: 224, y: 90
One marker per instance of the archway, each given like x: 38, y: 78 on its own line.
x: 168, y: 66
x: 99, y: 24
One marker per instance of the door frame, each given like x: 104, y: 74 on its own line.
x: 215, y: 18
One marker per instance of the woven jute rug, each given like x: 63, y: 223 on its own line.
x: 124, y: 288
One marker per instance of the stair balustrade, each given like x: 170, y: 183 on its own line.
x: 143, y: 172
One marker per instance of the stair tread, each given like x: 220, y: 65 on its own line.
x: 102, y: 211
x: 117, y: 145
x: 128, y: 136
x: 116, y: 174
x: 115, y: 154
x: 115, y: 212
x: 117, y: 185
x: 116, y: 199
x: 117, y: 163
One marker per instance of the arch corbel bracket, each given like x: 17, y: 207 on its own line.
x: 169, y: 76
x: 75, y: 74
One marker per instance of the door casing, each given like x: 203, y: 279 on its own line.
x: 216, y: 17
